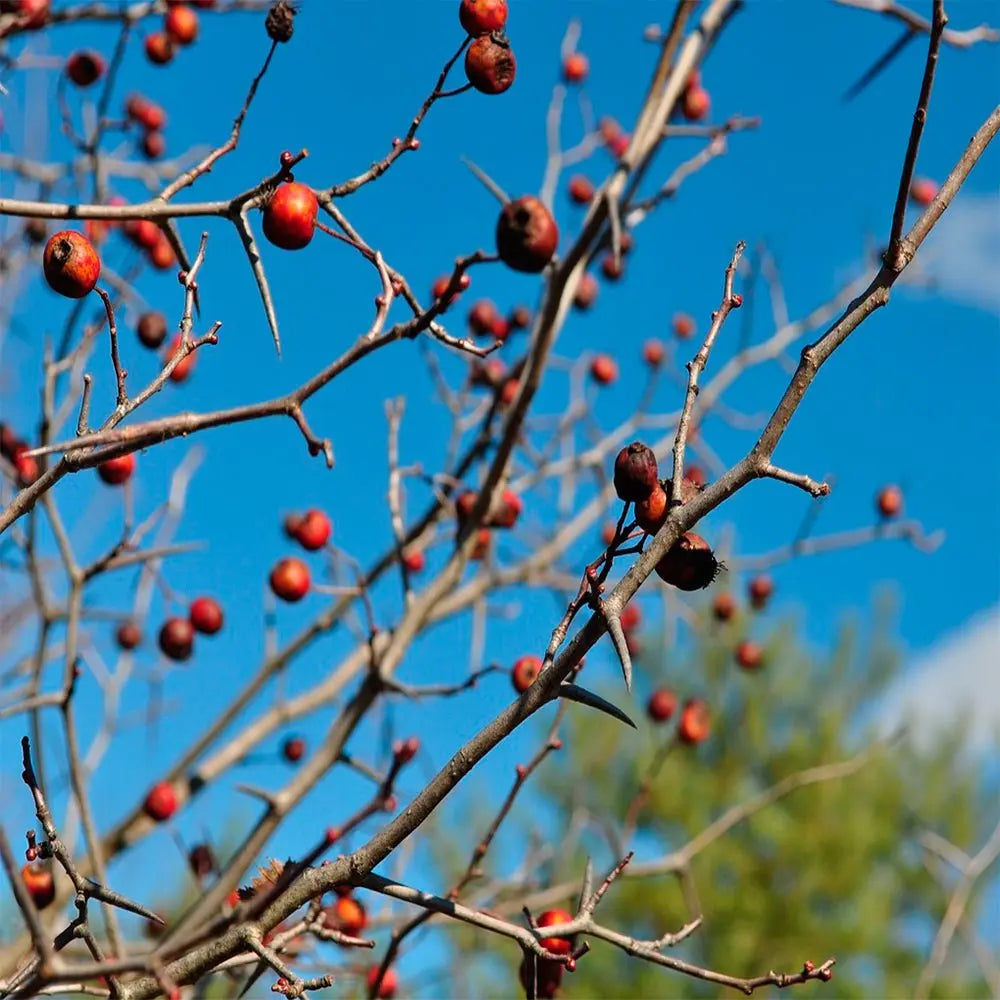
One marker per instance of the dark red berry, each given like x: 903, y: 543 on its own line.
x: 760, y: 590
x: 749, y: 655
x: 661, y: 705
x: 489, y: 64
x: 176, y: 639
x: 181, y: 24
x: 84, y: 68
x: 527, y: 235
x: 201, y: 860
x: 116, y: 471
x: 603, y: 369
x: 636, y: 473
x: 313, y: 530
x: 724, y: 606
x: 557, y: 945
x: 128, y: 635
x: 586, y: 291
x: 293, y: 749
x: 575, y: 67
x: 161, y: 802
x: 151, y: 329
x: 689, y: 563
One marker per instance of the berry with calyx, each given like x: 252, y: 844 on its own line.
x: 159, y: 48
x: 651, y: 512
x: 313, y: 530
x: 586, y: 291
x: 84, y: 68
x: 387, y: 988
x: 526, y: 669
x: 489, y: 64
x: 759, y: 591
x: 636, y: 474
x: 653, y: 352
x: 889, y: 502
x: 279, y: 21
x: 749, y: 655
x: 661, y: 705
x: 695, y: 722
x: 603, y: 369
x: 557, y: 945
x: 923, y: 191
x: 293, y: 749
x: 40, y: 884
x: 176, y: 639
x: 575, y: 67
x: 724, y: 606
x: 205, y: 614
x: 482, y: 17
x: 181, y: 24
x: 151, y: 329
x: 71, y: 264
x: 128, y: 635
x: 683, y: 326
x: 689, y: 564
x: 527, y: 235
x: 290, y: 216
x: 290, y: 579
x: 116, y: 471
x: 581, y: 189
x: 161, y: 802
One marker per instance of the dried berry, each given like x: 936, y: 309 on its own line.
x: 636, y: 473
x: 689, y: 563
x: 527, y: 235
x: 278, y: 22
x: 489, y: 64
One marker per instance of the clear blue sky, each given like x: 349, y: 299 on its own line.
x: 912, y: 398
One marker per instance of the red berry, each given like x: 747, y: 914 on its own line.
x: 489, y: 373
x: 290, y: 579
x: 154, y: 145
x: 586, y: 291
x: 482, y: 546
x: 149, y: 115
x: 511, y: 506
x: 161, y: 802
x: 525, y: 670
x: 609, y: 129
x: 441, y: 284
x: 84, y: 68
x: 630, y: 617
x: 760, y: 590
x: 26, y: 465
x: 33, y: 13
x: 651, y: 512
x: 683, y: 326
x: 581, y: 189
x: 557, y: 945
x: 176, y: 639
x: 205, y: 614
x: 695, y: 722
x: 500, y: 327
x: 489, y: 64
x: 603, y: 369
x: 293, y: 749
x: 923, y: 191
x: 653, y: 353
x: 519, y: 318
x: 575, y: 67
x: 612, y: 269
x: 482, y: 316
x: 661, y: 705
x: 161, y: 254
x: 481, y: 17
x: 695, y: 103
x: 889, y: 501
x: 181, y: 24
x: 724, y: 606
x: 414, y: 560
x: 40, y: 884
x: 347, y: 915
x: 749, y: 655
x: 636, y: 474
x: 689, y: 563
x: 387, y: 988
x: 128, y: 635
x: 527, y: 235
x: 619, y: 144
x: 159, y: 48
x: 116, y: 471
x: 313, y: 530
x: 144, y: 233
x: 290, y: 216
x: 71, y: 264
x: 545, y: 979
x: 151, y: 329
x: 183, y: 369
x: 464, y: 504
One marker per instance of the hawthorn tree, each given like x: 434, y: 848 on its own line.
x: 458, y: 527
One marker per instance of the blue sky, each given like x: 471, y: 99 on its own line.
x: 910, y: 399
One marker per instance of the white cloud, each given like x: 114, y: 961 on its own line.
x: 955, y: 682
x: 962, y: 254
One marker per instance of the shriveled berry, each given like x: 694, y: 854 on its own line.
x: 603, y: 369
x: 481, y: 17
x: 176, y: 639
x: 71, y: 264
x: 759, y: 590
x: 290, y: 579
x: 636, y: 474
x: 689, y: 563
x: 695, y: 722
x: 586, y: 292
x: 889, y: 501
x: 661, y: 705
x: 290, y: 216
x: 151, y: 329
x: 205, y: 614
x: 161, y: 802
x: 279, y: 22
x: 128, y: 635
x: 116, y: 471
x: 35, y: 231
x: 749, y: 655
x: 85, y: 67
x: 527, y: 235
x: 651, y: 512
x: 526, y: 670
x: 489, y: 64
